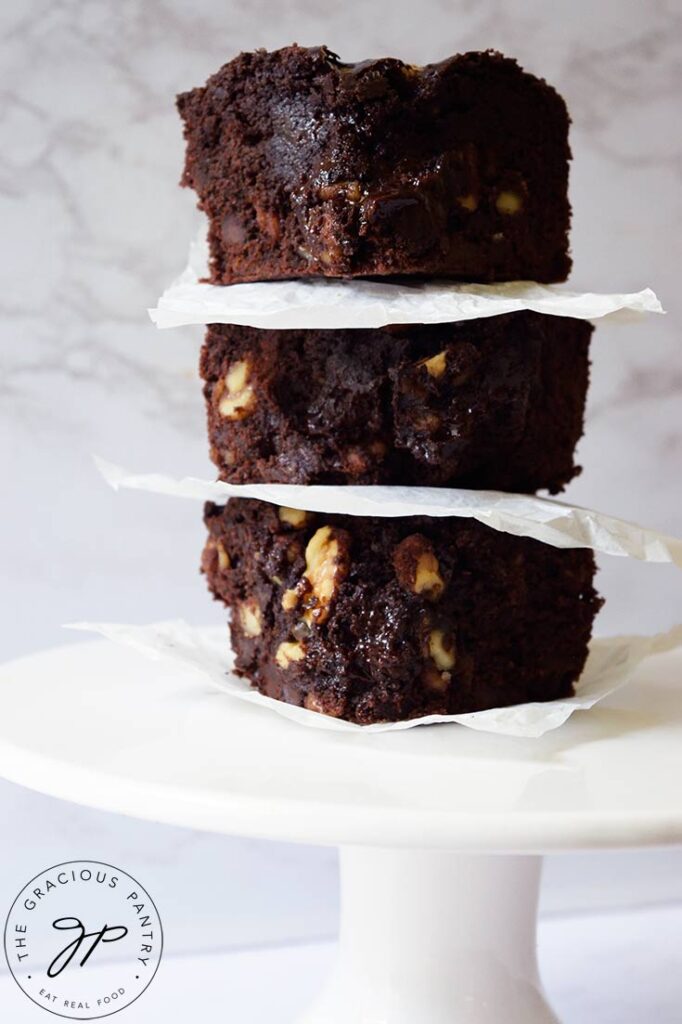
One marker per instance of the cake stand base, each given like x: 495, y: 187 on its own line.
x: 432, y: 937
x: 441, y: 829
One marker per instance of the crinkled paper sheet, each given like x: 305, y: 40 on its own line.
x: 547, y: 520
x: 611, y: 661
x: 205, y: 650
x: 328, y: 303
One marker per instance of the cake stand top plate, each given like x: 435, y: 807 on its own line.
x: 104, y: 726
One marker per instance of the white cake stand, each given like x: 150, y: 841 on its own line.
x: 437, y: 927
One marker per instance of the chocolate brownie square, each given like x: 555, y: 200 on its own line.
x: 309, y: 166
x: 373, y: 619
x: 492, y: 403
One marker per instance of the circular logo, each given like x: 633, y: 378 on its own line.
x: 83, y: 939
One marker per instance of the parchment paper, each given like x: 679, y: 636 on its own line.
x: 610, y: 663
x: 547, y: 520
x: 327, y: 303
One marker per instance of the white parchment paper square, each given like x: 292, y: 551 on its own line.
x: 545, y: 519
x: 331, y: 303
x: 205, y: 650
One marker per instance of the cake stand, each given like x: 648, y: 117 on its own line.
x: 441, y: 828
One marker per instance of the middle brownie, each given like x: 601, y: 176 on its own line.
x: 492, y: 403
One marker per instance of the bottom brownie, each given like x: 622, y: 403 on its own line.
x: 374, y: 619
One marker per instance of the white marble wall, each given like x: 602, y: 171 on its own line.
x: 93, y: 226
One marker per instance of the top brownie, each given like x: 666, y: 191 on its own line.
x: 307, y: 166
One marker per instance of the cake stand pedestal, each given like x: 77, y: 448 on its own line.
x: 441, y: 829
x: 435, y: 937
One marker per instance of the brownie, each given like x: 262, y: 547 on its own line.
x: 490, y: 403
x: 374, y: 619
x: 309, y: 166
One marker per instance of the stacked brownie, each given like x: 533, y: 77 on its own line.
x: 306, y: 166
x: 494, y: 403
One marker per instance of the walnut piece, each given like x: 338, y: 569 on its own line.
x: 289, y: 600
x: 295, y: 517
x: 268, y: 223
x: 289, y: 652
x: 468, y: 202
x: 434, y: 680
x: 251, y: 618
x: 356, y: 461
x: 435, y: 366
x: 209, y: 556
x: 429, y: 422
x: 350, y: 190
x: 327, y: 563
x: 427, y: 579
x: 223, y: 557
x: 328, y: 257
x: 313, y: 703
x: 214, y: 554
x: 327, y: 705
x: 509, y: 203
x: 416, y: 567
x: 294, y: 551
x: 442, y: 649
x: 236, y: 397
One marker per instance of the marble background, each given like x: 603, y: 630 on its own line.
x: 93, y: 226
